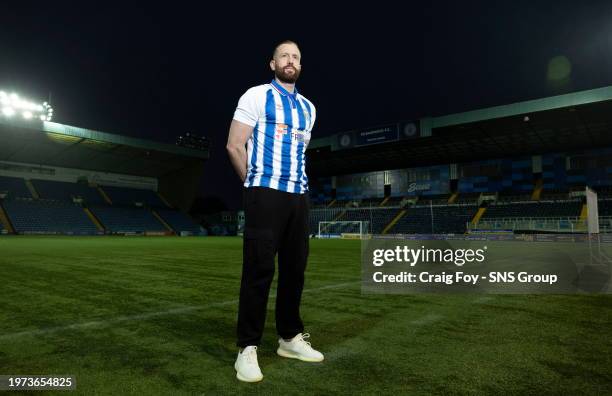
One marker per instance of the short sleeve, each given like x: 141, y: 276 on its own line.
x: 247, y: 111
x: 314, y: 115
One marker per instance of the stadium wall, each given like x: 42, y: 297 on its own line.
x: 518, y: 175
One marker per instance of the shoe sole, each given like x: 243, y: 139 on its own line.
x: 291, y: 355
x: 245, y: 379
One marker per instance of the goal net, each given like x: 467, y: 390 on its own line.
x: 344, y: 229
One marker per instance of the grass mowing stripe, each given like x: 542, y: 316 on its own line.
x: 148, y: 315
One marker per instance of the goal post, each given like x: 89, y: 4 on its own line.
x: 344, y: 229
x: 592, y: 211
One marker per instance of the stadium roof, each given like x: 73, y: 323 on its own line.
x: 53, y: 144
x: 560, y: 123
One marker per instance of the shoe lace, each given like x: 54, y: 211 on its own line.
x: 303, y: 338
x: 251, y: 355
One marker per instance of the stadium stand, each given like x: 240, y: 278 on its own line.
x: 377, y: 217
x: 5, y: 226
x: 48, y: 189
x: 438, y: 199
x: 394, y: 201
x: 495, y: 161
x: 130, y: 196
x: 370, y: 202
x: 14, y: 187
x: 48, y: 155
x: 179, y: 221
x: 30, y: 216
x: 512, y: 196
x: 450, y: 218
x: 440, y: 219
x: 568, y: 208
x: 554, y: 194
x: 345, y: 203
x: 127, y: 220
x: 56, y: 213
x: 468, y: 198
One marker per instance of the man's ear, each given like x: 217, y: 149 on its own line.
x: 273, y: 65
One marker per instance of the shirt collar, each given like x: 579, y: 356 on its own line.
x: 282, y: 90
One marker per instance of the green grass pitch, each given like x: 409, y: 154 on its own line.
x: 148, y: 316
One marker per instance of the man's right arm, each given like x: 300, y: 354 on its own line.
x: 239, y: 134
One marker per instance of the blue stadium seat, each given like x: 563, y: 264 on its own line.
x: 67, y: 191
x: 534, y: 209
x: 437, y: 199
x: 15, y: 187
x: 179, y: 221
x: 394, y: 201
x: 468, y: 198
x: 447, y: 219
x: 378, y: 217
x: 127, y: 220
x: 130, y: 196
x: 370, y: 202
x: 48, y: 217
x: 557, y: 193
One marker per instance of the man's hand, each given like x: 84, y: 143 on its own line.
x: 239, y: 133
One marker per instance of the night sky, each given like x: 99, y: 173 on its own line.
x: 157, y: 73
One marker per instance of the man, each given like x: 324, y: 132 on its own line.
x: 274, y: 121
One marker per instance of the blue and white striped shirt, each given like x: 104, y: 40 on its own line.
x: 276, y: 151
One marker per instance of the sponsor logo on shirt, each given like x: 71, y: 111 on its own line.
x: 297, y: 135
x: 281, y: 130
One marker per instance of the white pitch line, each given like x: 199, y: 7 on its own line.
x: 148, y: 315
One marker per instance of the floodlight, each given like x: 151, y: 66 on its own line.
x: 8, y: 111
x: 12, y: 103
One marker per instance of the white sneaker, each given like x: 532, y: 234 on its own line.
x: 299, y: 348
x: 247, y: 368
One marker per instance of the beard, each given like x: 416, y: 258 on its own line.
x: 286, y: 76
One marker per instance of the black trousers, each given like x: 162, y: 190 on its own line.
x: 275, y: 222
